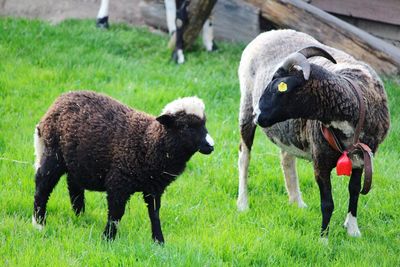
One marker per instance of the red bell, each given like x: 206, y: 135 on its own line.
x: 343, y: 165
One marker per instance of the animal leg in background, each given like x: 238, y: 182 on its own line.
x: 102, y: 16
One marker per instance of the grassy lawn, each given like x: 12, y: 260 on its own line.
x: 201, y: 225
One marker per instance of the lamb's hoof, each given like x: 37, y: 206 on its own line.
x: 242, y: 204
x: 351, y: 225
x: 178, y: 56
x: 102, y: 23
x: 37, y: 225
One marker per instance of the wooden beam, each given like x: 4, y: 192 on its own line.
x: 298, y: 15
x: 387, y: 11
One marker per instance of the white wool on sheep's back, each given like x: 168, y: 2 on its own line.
x: 189, y: 105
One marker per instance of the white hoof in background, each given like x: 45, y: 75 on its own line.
x: 351, y: 225
x: 36, y: 225
x: 181, y: 57
x: 242, y: 204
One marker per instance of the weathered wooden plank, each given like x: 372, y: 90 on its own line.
x: 298, y: 15
x: 235, y: 20
x: 383, y: 10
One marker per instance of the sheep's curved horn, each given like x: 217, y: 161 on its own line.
x: 300, y: 57
x: 314, y: 51
x: 297, y: 59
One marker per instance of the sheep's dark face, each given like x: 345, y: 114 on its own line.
x: 189, y: 130
x: 279, y: 101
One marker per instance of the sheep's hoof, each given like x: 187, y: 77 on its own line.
x: 102, y: 23
x: 178, y: 56
x: 37, y: 225
x: 351, y: 225
x: 300, y: 203
x: 242, y: 204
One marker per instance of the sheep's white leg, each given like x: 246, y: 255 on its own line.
x: 208, y: 35
x: 351, y: 224
x: 102, y: 16
x: 288, y: 163
x: 247, y: 131
x: 170, y: 10
x: 243, y: 162
x: 354, y: 190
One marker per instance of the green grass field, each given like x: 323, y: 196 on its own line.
x: 201, y: 225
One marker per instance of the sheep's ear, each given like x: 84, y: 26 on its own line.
x: 167, y: 120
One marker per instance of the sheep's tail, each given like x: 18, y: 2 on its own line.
x: 38, y: 144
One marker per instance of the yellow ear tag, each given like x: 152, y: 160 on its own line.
x: 282, y: 87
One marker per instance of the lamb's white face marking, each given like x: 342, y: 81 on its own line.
x: 170, y: 7
x: 351, y: 224
x: 208, y: 35
x: 103, y: 11
x: 209, y: 140
x: 36, y: 225
x: 39, y: 148
x: 190, y: 105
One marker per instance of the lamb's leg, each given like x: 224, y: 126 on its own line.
x: 288, y: 163
x: 102, y: 16
x: 46, y: 178
x: 325, y: 188
x: 354, y: 190
x: 247, y: 131
x: 77, y: 196
x: 116, y: 199
x: 153, y: 207
x: 181, y: 21
x: 208, y: 36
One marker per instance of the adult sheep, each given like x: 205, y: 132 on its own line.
x: 296, y: 88
x: 104, y: 145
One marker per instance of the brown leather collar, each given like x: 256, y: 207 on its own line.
x: 333, y: 141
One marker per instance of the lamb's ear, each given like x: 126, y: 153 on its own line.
x: 167, y: 120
